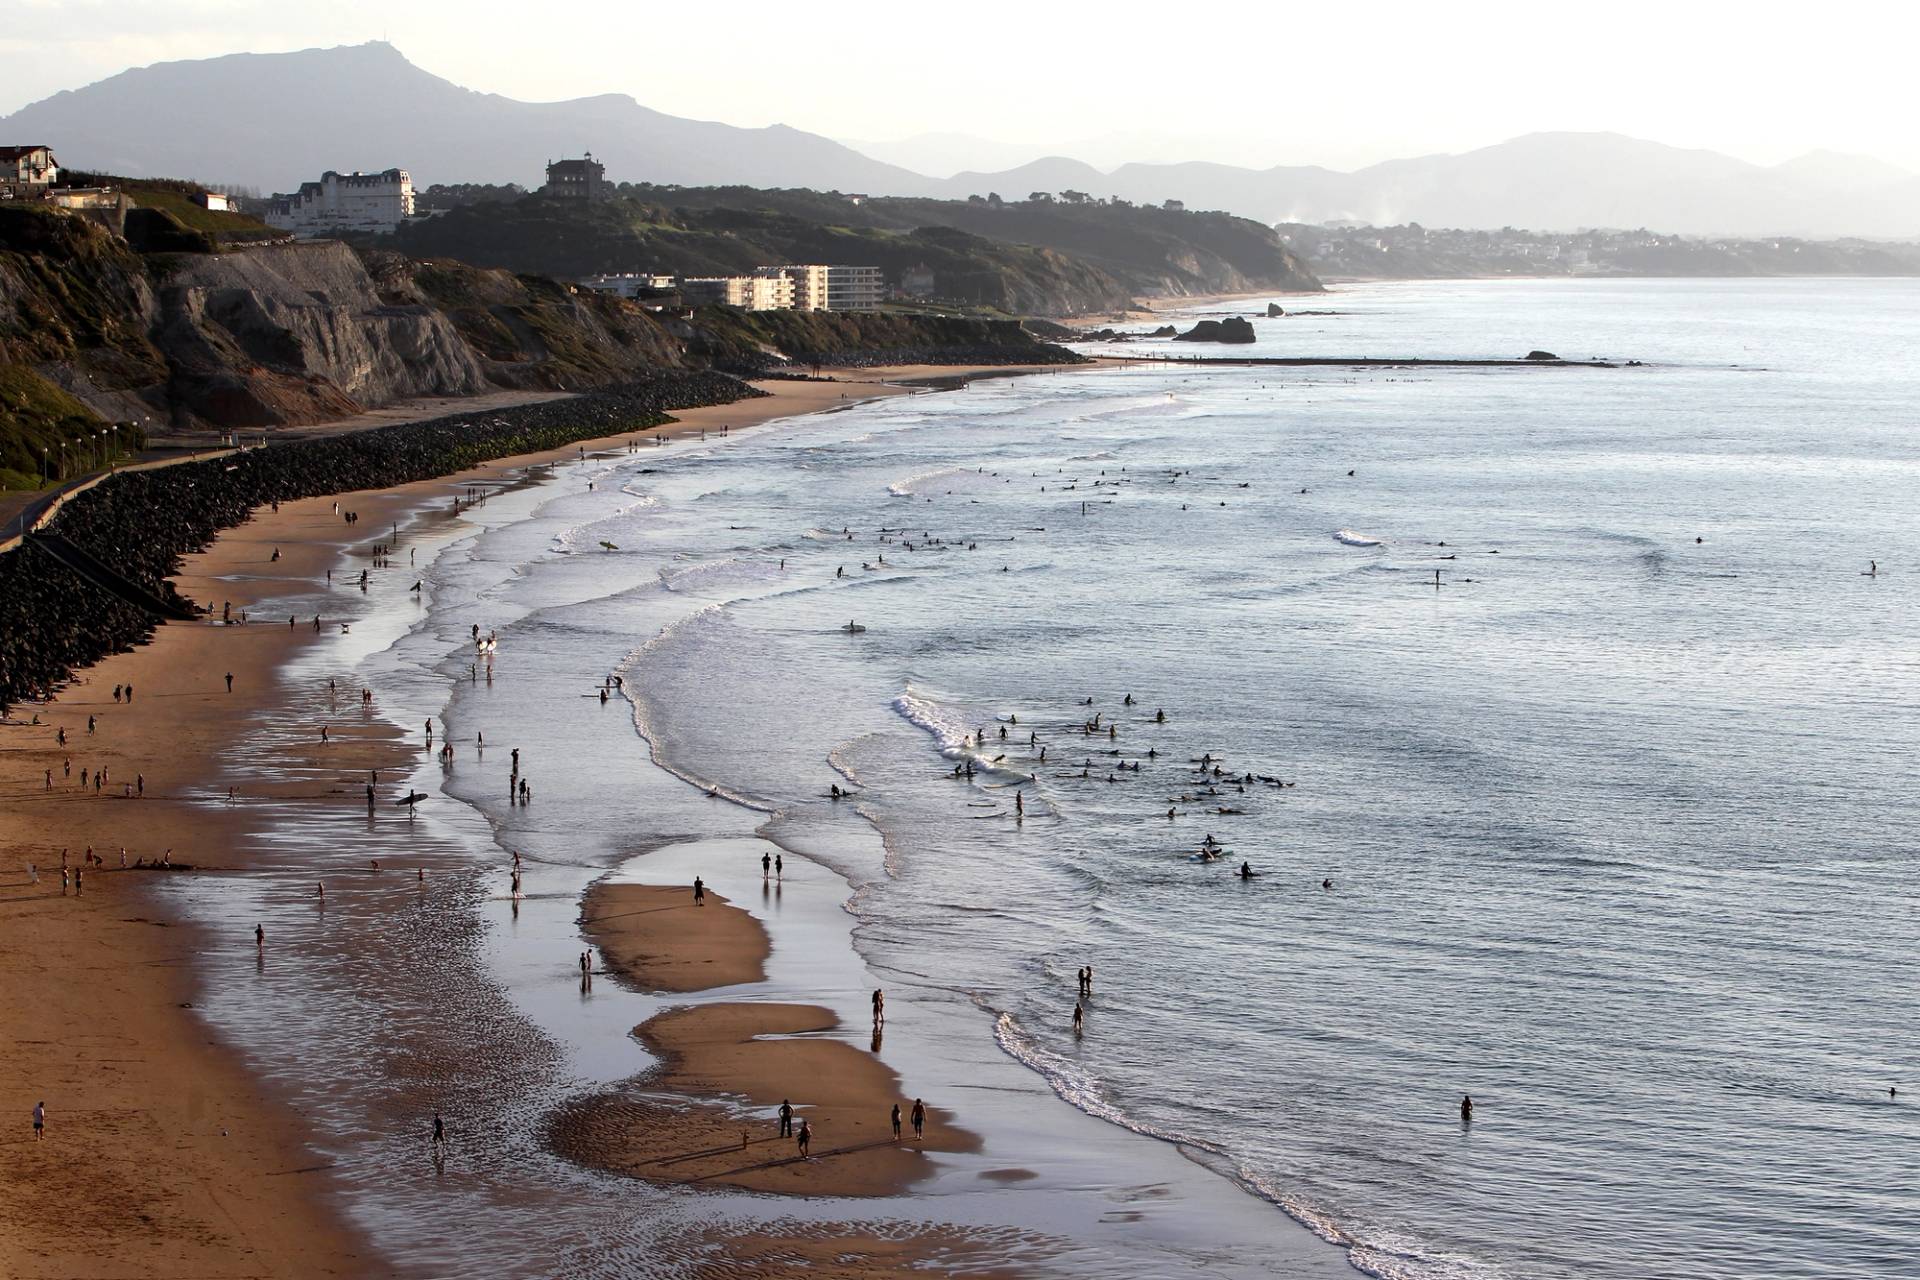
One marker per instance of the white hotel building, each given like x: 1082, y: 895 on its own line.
x: 365, y: 202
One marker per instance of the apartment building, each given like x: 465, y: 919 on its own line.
x: 854, y: 288
x: 818, y: 287
x: 769, y: 290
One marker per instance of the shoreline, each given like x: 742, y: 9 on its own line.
x: 113, y: 1116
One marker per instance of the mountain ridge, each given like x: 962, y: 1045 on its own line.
x: 179, y: 119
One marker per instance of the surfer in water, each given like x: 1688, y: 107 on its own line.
x: 1247, y: 872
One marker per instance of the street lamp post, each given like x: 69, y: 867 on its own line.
x: 43, y: 466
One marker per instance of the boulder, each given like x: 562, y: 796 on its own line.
x: 1165, y: 331
x: 1232, y: 329
x: 1537, y: 354
x: 1274, y: 311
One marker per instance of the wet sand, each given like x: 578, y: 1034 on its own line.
x: 762, y: 1054
x: 164, y: 1155
x: 656, y: 939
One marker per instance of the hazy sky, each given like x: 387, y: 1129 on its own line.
x: 1246, y: 81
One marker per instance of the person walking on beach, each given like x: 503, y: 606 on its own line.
x: 439, y: 1132
x: 766, y: 859
x: 699, y: 892
x: 879, y: 1007
x: 896, y: 1122
x: 1079, y: 1018
x: 39, y: 1121
x: 919, y: 1120
x: 260, y: 936
x: 1466, y: 1108
x: 229, y: 682
x: 786, y: 1119
x: 779, y: 865
x: 804, y: 1138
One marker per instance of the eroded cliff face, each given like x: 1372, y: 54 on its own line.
x: 298, y: 333
x: 284, y: 335
x: 290, y: 334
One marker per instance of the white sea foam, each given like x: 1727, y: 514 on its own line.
x: 911, y: 485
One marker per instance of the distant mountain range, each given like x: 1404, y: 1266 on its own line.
x: 1543, y: 182
x: 273, y: 120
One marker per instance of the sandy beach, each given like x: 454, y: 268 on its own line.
x: 163, y: 1155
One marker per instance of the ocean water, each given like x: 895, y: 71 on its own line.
x: 1617, y: 815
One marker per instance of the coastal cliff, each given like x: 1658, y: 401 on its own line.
x: 280, y: 335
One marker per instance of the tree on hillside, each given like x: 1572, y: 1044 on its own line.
x: 1075, y: 197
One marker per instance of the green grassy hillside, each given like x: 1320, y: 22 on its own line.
x: 1152, y: 249
x: 568, y: 238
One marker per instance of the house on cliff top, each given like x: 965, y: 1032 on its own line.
x: 26, y: 172
x: 584, y: 179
